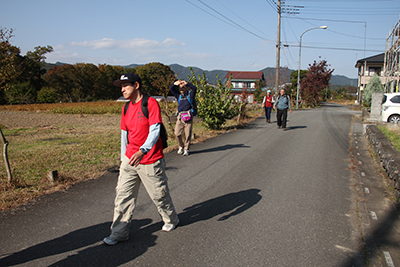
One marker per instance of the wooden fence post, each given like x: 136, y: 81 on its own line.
x: 5, y: 142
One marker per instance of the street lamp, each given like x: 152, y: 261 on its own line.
x: 298, y: 72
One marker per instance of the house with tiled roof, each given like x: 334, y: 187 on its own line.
x: 245, y: 81
x: 367, y: 67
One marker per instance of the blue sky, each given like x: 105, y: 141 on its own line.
x: 209, y: 34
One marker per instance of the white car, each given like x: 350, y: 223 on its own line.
x: 391, y: 107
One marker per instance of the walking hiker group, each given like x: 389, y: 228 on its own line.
x: 282, y: 105
x: 143, y: 138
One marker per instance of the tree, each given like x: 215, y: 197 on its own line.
x: 215, y: 103
x: 374, y: 86
x: 10, y: 61
x: 156, y: 78
x: 104, y: 87
x: 61, y: 79
x: 33, y: 70
x: 258, y: 91
x: 293, y: 80
x: 20, y: 93
x: 47, y: 95
x: 326, y: 93
x: 315, y: 81
x: 17, y: 71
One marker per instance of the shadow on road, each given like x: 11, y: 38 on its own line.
x: 219, y: 148
x: 236, y: 203
x: 295, y: 127
x: 95, y: 253
x: 381, y: 237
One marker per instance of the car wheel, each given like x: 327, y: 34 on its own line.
x: 394, y: 119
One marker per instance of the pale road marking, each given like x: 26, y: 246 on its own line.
x: 356, y: 146
x: 358, y: 154
x: 373, y: 215
x: 360, y: 162
x: 356, y: 142
x: 388, y: 259
x: 344, y: 248
x: 362, y: 173
x: 367, y: 190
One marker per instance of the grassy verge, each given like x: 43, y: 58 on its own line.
x: 78, y: 151
x: 393, y: 135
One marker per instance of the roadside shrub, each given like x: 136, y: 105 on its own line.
x: 215, y: 103
x: 47, y: 95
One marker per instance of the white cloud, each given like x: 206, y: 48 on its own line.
x: 137, y: 43
x: 121, y: 52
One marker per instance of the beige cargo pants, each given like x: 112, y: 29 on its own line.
x: 154, y: 180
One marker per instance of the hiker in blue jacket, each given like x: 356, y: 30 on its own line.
x: 282, y: 104
x: 184, y: 93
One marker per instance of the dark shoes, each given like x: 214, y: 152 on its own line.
x: 111, y: 241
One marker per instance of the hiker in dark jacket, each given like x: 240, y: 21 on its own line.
x: 282, y: 104
x: 184, y: 93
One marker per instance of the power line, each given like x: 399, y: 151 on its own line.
x: 241, y: 18
x: 338, y: 48
x: 336, y: 20
x: 237, y: 25
x: 273, y: 5
x: 212, y: 15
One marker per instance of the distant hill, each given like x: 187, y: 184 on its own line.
x: 269, y: 74
x: 343, y: 80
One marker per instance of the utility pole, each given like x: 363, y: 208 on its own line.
x: 278, y: 49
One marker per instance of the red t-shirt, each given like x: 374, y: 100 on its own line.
x: 267, y: 103
x: 138, y: 125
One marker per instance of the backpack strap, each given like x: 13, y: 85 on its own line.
x: 188, y: 99
x: 126, y: 106
x: 145, y: 108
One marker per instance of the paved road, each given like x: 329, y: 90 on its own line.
x: 252, y: 197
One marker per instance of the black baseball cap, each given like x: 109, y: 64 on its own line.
x: 128, y: 77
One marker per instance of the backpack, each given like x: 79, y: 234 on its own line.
x: 287, y: 97
x: 145, y: 110
x: 194, y: 105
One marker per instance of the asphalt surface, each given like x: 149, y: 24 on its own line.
x: 258, y: 196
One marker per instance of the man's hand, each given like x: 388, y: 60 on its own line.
x: 290, y: 111
x: 136, y: 158
x: 180, y: 83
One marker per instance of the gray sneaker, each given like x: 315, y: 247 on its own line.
x: 111, y: 241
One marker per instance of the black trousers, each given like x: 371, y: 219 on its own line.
x: 281, y: 116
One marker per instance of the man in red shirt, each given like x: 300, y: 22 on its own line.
x: 142, y: 162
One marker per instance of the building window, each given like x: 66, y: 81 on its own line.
x: 374, y: 70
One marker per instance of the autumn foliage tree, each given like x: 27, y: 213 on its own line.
x: 21, y: 77
x: 315, y: 81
